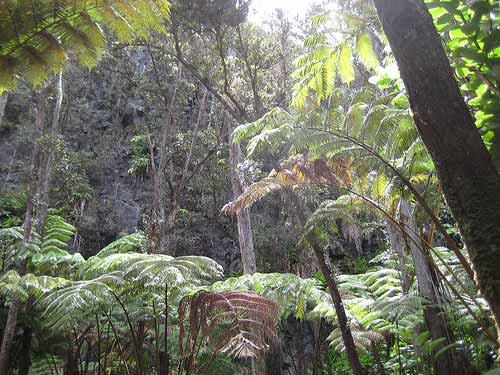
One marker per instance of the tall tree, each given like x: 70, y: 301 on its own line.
x: 469, y: 179
x: 38, y: 105
x: 234, y: 52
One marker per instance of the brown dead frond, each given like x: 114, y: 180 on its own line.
x: 239, y: 324
x: 297, y: 171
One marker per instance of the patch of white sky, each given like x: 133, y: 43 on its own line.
x: 262, y: 10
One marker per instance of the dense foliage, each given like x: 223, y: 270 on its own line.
x: 294, y: 143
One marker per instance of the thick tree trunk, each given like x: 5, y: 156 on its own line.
x: 451, y: 362
x: 71, y: 361
x: 468, y: 177
x: 244, y: 224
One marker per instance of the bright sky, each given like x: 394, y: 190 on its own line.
x: 260, y: 9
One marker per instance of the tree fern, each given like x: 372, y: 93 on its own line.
x: 132, y: 242
x: 12, y: 285
x: 54, y: 257
x: 292, y: 293
x: 238, y: 324
x: 36, y: 36
x: 328, y: 54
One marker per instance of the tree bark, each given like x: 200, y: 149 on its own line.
x: 451, y: 362
x: 25, y: 357
x: 397, y: 241
x: 46, y: 167
x: 71, y: 361
x: 8, y: 335
x: 3, y: 102
x: 16, y: 305
x: 468, y: 177
x: 345, y: 329
x: 243, y: 216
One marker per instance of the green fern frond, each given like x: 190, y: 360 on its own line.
x: 292, y: 293
x: 35, y: 36
x: 365, y: 51
x: 132, y: 242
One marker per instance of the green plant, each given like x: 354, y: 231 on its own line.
x: 140, y: 158
x: 11, y: 209
x: 471, y: 33
x: 37, y: 35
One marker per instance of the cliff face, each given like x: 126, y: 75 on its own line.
x: 102, y: 110
x: 101, y: 113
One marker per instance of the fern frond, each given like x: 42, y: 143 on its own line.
x: 253, y: 194
x: 132, y: 242
x: 35, y: 36
x: 292, y: 293
x: 239, y: 324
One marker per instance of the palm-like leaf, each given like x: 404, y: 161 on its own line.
x: 292, y: 293
x: 35, y: 36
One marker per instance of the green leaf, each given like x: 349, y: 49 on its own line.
x: 471, y: 54
x: 365, y: 51
x: 345, y: 65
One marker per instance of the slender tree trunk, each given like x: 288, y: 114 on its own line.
x: 8, y: 335
x: 169, y: 235
x: 25, y: 356
x: 398, y: 245
x: 451, y: 362
x: 243, y: 216
x: 46, y: 168
x: 3, y: 102
x: 16, y: 305
x: 331, y: 282
x: 468, y: 177
x: 157, y: 221
x: 345, y: 329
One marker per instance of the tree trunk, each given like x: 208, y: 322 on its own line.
x: 25, y: 357
x: 46, y: 167
x: 244, y: 224
x: 398, y: 245
x: 71, y: 361
x: 468, y: 177
x: 345, y: 329
x: 157, y: 219
x: 3, y: 102
x: 8, y: 335
x: 10, y: 328
x: 169, y: 239
x: 451, y: 362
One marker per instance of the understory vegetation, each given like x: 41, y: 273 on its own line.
x: 189, y: 189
